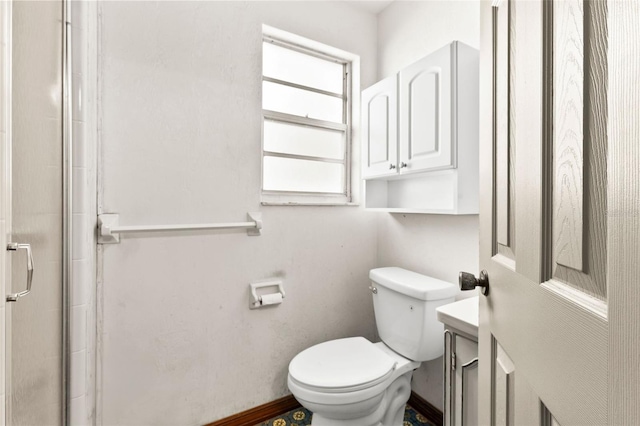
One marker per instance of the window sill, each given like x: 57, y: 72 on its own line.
x: 306, y: 204
x: 273, y: 199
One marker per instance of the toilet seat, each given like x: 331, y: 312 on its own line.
x: 341, y: 366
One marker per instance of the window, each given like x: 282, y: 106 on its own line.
x: 306, y: 107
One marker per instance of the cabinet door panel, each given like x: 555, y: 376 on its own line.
x: 424, y: 111
x: 380, y: 128
x: 426, y: 137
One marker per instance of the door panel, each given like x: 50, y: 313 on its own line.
x: 504, y: 132
x: 568, y: 139
x: 35, y: 367
x: 544, y: 323
x: 588, y: 219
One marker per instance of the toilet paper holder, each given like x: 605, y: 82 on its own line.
x: 266, y: 299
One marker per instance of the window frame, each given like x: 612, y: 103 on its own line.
x: 350, y: 62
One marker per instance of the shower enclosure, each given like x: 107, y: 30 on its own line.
x: 46, y: 235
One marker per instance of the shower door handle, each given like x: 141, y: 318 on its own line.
x: 14, y: 247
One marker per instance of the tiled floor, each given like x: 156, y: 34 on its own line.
x: 302, y: 417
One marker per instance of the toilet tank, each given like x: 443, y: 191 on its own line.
x: 405, y: 305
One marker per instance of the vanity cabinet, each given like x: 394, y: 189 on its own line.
x: 420, y: 136
x: 460, y: 362
x: 460, y: 379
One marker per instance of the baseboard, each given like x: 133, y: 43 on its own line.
x: 259, y: 414
x: 280, y: 406
x: 423, y: 407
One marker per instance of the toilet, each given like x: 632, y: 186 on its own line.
x: 354, y: 382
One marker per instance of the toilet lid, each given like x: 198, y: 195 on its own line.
x: 341, y: 364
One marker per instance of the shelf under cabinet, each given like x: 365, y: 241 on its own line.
x: 441, y: 192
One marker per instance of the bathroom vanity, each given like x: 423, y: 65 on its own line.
x: 460, y: 361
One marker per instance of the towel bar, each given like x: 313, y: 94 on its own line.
x: 109, y: 229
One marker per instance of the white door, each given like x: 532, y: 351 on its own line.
x: 544, y: 332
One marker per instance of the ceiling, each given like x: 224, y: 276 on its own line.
x: 371, y: 6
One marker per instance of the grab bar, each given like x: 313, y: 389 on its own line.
x: 109, y: 229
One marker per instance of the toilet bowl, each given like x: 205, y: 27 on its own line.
x: 354, y: 382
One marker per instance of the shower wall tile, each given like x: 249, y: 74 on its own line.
x: 77, y: 91
x: 77, y: 415
x: 79, y: 58
x: 81, y: 237
x: 78, y: 369
x: 78, y: 328
x: 78, y: 15
x: 80, y: 190
x: 83, y: 21
x: 82, y: 277
x: 79, y: 145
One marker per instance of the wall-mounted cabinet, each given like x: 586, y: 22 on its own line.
x: 420, y: 136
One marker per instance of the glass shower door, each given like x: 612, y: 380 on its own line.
x: 35, y: 394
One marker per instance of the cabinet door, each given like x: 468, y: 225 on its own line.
x: 427, y: 141
x: 466, y: 382
x: 380, y: 128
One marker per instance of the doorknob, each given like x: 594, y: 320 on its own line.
x: 469, y: 282
x: 13, y: 247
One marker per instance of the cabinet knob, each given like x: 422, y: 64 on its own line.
x: 392, y: 166
x: 403, y: 165
x: 469, y: 282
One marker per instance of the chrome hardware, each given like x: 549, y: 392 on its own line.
x: 392, y: 166
x: 13, y: 247
x: 373, y: 289
x: 448, y: 386
x: 403, y: 165
x: 468, y: 281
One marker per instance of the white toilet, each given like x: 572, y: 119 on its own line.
x: 353, y: 382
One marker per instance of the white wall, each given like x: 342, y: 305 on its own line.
x: 410, y: 30
x: 180, y: 138
x: 439, y: 246
x: 180, y: 87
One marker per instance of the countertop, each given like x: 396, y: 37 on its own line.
x: 462, y: 315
